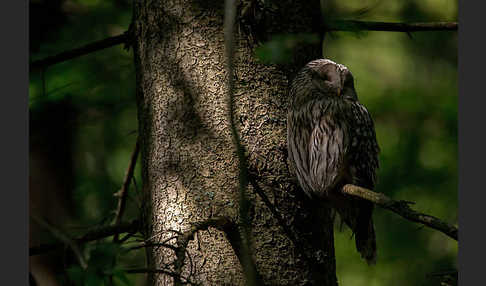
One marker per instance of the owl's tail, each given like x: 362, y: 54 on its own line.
x: 357, y: 214
x: 366, y: 239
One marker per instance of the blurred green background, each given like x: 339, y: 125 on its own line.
x: 408, y: 83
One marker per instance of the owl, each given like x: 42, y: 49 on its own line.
x: 331, y: 142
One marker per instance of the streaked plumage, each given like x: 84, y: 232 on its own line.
x: 331, y: 142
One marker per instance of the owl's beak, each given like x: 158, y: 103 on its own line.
x: 339, y: 92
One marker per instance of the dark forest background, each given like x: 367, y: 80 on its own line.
x: 83, y: 128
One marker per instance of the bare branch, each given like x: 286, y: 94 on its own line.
x: 259, y: 191
x: 84, y: 50
x: 183, y: 239
x: 123, y: 192
x: 122, y: 195
x: 148, y: 244
x: 351, y: 25
x: 402, y: 208
x: 90, y: 236
x: 229, y: 227
x: 281, y: 221
x: 64, y: 238
x: 160, y: 271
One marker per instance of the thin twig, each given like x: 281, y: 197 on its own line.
x: 123, y: 192
x: 259, y: 191
x: 148, y: 244
x: 159, y: 271
x: 352, y: 25
x: 90, y: 236
x: 299, y: 246
x: 122, y: 195
x: 84, y: 50
x: 64, y: 238
x: 402, y: 208
x: 220, y: 223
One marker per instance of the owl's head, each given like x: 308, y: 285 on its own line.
x: 324, y: 77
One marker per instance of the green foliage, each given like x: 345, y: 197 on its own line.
x: 280, y: 48
x: 100, y: 267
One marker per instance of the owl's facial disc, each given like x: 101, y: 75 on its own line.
x: 327, y: 79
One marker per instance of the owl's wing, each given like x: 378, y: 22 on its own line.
x: 362, y: 155
x: 362, y: 163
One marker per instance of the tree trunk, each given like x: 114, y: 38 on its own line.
x: 189, y: 164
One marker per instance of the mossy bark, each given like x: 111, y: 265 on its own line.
x: 189, y: 165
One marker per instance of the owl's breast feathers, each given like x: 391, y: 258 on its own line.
x: 331, y: 141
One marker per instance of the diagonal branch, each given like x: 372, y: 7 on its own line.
x: 352, y: 25
x: 90, y: 236
x: 122, y: 195
x: 281, y: 221
x: 77, y: 52
x: 158, y: 271
x: 66, y: 240
x: 123, y: 192
x: 401, y: 208
x: 273, y: 210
